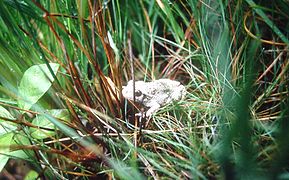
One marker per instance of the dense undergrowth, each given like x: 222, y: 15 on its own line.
x: 63, y: 65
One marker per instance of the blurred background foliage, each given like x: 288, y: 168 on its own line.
x: 232, y: 56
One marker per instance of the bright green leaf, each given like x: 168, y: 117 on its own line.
x: 20, y: 139
x: 5, y: 141
x: 31, y: 175
x: 34, y: 83
x: 42, y: 121
x: 6, y: 126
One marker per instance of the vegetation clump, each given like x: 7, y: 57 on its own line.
x: 63, y: 65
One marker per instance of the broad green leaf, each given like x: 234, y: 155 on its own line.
x: 6, y: 126
x: 42, y: 121
x: 20, y: 139
x: 5, y: 141
x: 34, y: 83
x: 31, y: 175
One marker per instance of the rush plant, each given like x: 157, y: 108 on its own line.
x: 63, y: 65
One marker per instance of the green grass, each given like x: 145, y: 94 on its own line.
x: 232, y: 56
